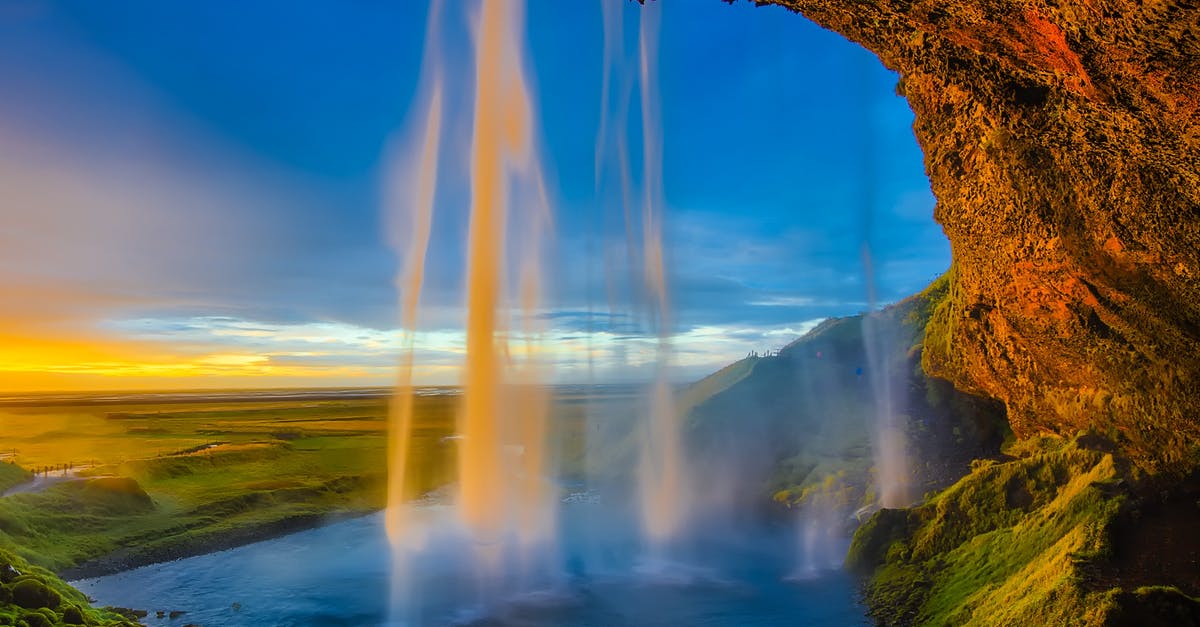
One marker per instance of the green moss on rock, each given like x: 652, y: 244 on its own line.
x: 31, y: 593
x: 73, y: 615
x: 875, y: 537
x: 39, y: 619
x: 38, y: 597
x: 1029, y: 541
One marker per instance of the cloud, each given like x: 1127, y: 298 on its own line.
x: 159, y: 230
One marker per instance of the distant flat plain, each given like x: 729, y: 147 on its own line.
x: 222, y: 468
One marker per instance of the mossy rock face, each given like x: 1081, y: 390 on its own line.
x: 73, y: 616
x: 1040, y: 539
x: 32, y: 593
x: 39, y: 597
x: 1063, y: 145
x: 37, y: 619
x: 874, y: 538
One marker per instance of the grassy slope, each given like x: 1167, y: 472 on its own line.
x: 37, y: 598
x: 1056, y: 532
x: 798, y: 423
x: 269, y: 465
x: 716, y: 383
x: 11, y: 475
x: 1019, y: 542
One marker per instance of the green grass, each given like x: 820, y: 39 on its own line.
x: 1012, y: 543
x: 159, y: 481
x: 12, y: 475
x: 206, y: 469
x: 796, y: 425
x: 216, y: 473
x: 164, y: 481
x: 37, y: 597
x: 715, y: 383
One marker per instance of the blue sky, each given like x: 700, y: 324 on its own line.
x: 200, y: 184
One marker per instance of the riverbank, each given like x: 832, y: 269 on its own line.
x: 163, y: 481
x: 130, y: 558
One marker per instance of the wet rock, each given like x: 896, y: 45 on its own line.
x: 129, y: 613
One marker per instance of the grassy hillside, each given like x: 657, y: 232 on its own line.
x: 150, y: 482
x: 12, y: 475
x: 1056, y: 534
x: 158, y: 481
x: 34, y: 597
x: 800, y: 422
x: 716, y: 383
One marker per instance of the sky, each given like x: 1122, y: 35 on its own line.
x: 198, y: 195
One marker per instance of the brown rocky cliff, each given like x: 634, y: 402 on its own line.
x: 1063, y: 145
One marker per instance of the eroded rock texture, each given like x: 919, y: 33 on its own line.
x: 1063, y: 144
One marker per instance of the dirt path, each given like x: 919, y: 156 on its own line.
x: 42, y: 482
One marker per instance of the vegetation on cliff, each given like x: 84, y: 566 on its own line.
x: 1062, y: 141
x: 1053, y: 535
x: 34, y: 597
x: 796, y: 425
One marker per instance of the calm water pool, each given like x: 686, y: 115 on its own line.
x: 340, y: 574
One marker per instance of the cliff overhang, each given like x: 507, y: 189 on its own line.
x: 1063, y: 144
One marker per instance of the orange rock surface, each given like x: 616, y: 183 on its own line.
x: 1062, y: 141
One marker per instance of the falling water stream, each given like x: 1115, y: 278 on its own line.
x: 419, y: 194
x: 514, y: 543
x: 502, y: 492
x: 661, y: 472
x: 506, y: 505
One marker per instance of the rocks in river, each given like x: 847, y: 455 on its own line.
x: 131, y: 614
x: 171, y: 615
